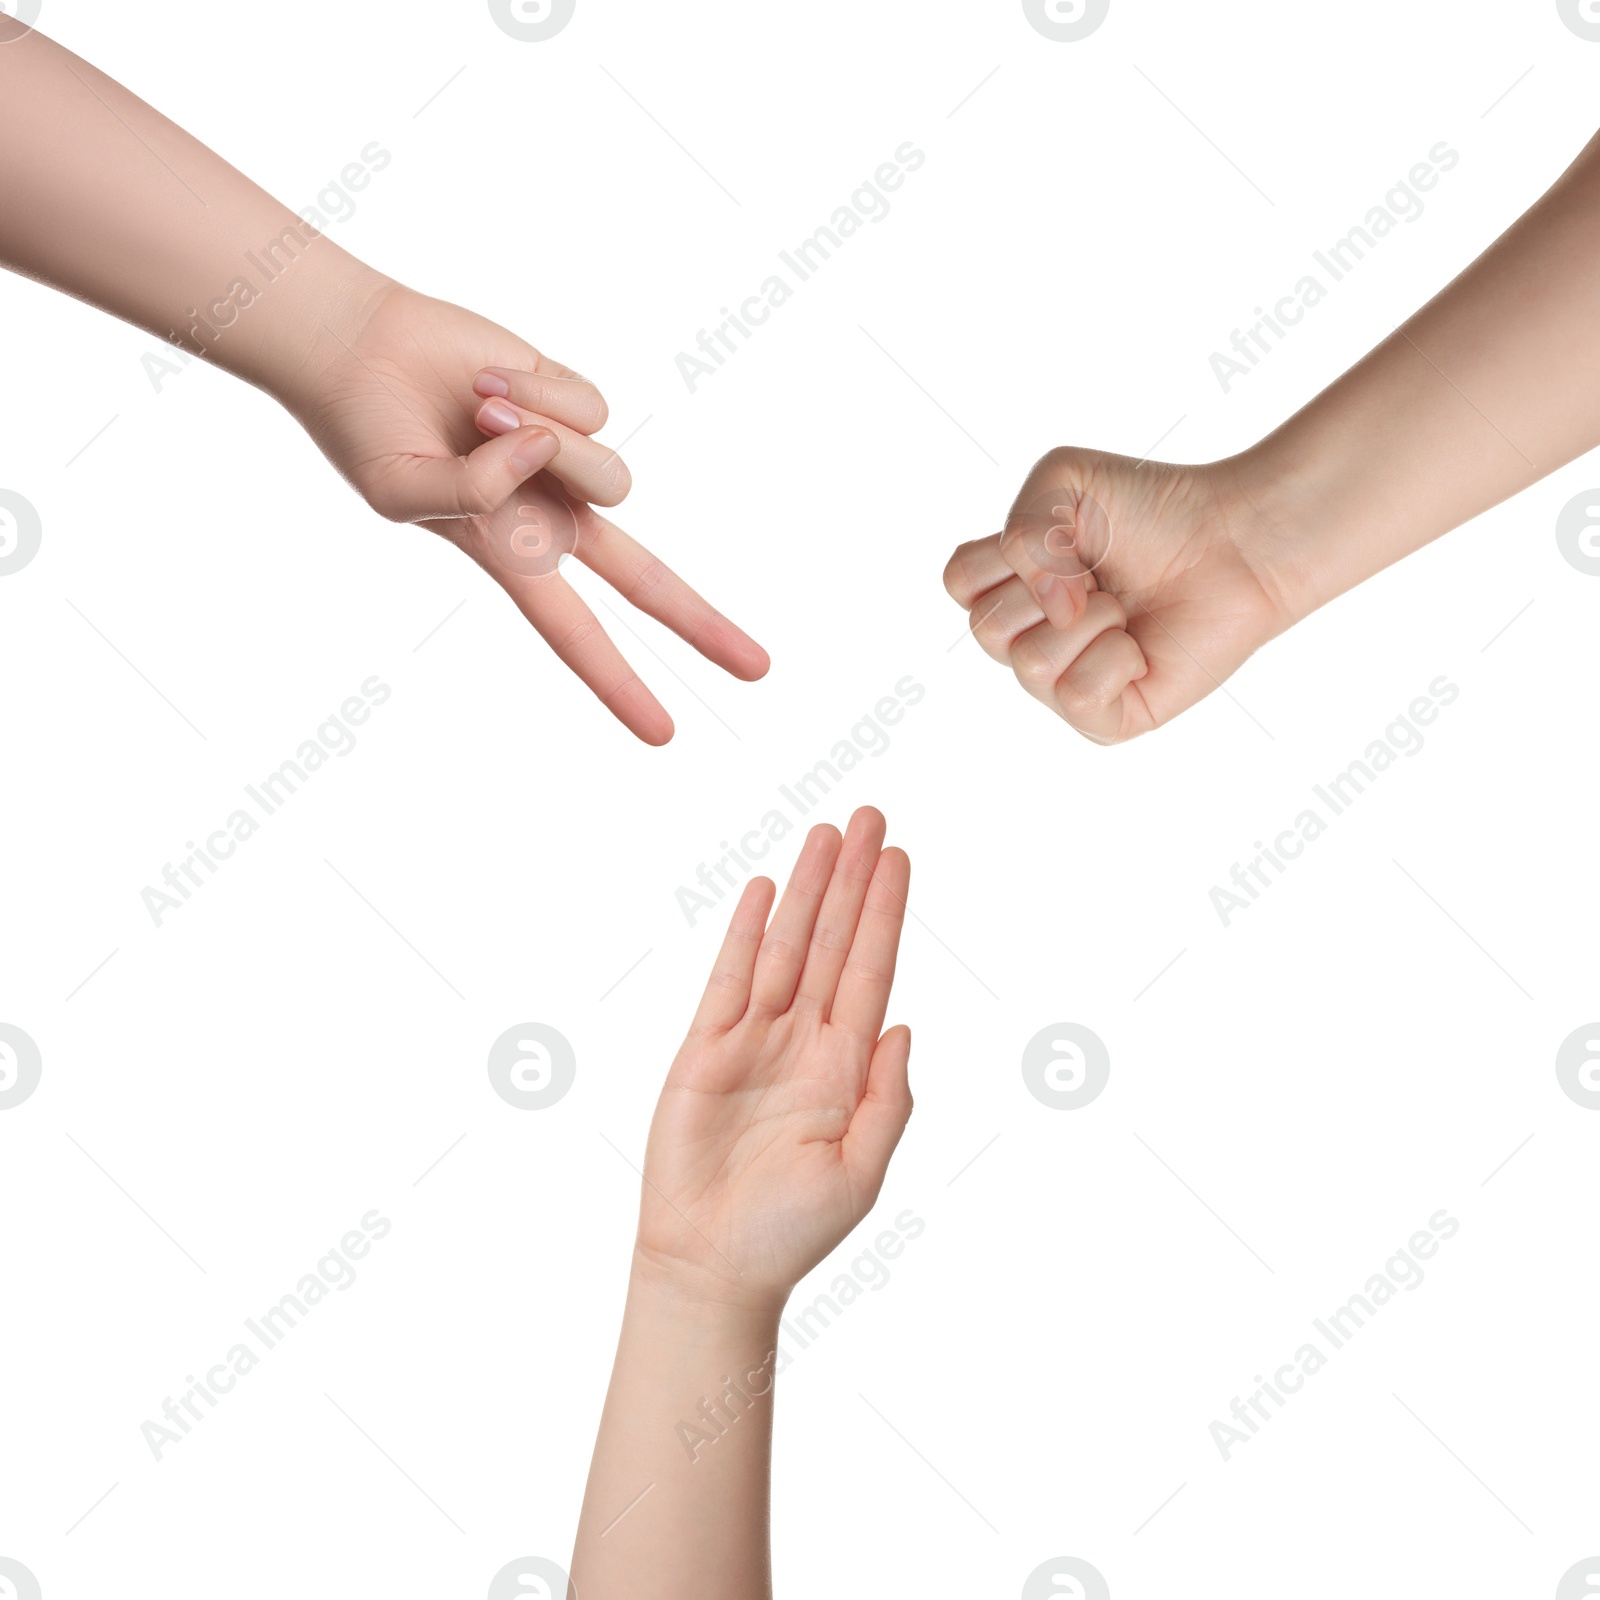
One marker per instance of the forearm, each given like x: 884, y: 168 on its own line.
x: 104, y: 198
x: 1490, y: 386
x: 677, y: 1500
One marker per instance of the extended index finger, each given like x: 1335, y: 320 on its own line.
x: 649, y: 583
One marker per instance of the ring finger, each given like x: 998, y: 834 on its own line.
x: 591, y: 470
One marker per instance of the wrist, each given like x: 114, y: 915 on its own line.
x: 292, y: 312
x: 1278, y: 513
x: 704, y: 1301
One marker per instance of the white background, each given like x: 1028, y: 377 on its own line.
x: 1289, y: 1101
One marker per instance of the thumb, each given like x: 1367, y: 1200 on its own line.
x: 885, y: 1109
x: 421, y: 488
x: 1050, y: 539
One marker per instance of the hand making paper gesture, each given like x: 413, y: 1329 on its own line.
x: 770, y: 1143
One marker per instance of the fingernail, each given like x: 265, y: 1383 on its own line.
x: 498, y: 417
x: 1059, y: 601
x: 489, y: 383
x: 533, y: 452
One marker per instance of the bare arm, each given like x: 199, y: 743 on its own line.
x: 105, y: 199
x: 1490, y: 386
x: 1121, y: 592
x: 769, y: 1145
x: 678, y: 1492
x: 434, y: 414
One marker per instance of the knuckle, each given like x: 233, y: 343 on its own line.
x: 1106, y: 607
x: 477, y: 498
x: 1032, y: 666
x: 955, y: 571
x: 581, y: 633
x: 615, y: 482
x: 624, y: 686
x: 989, y: 626
x: 646, y: 581
x: 1059, y: 460
x: 1077, y: 697
x: 781, y: 953
x: 867, y: 972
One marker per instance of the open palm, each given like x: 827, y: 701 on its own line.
x: 783, y: 1107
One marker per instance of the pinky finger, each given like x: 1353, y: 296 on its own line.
x: 1092, y: 693
x: 728, y: 991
